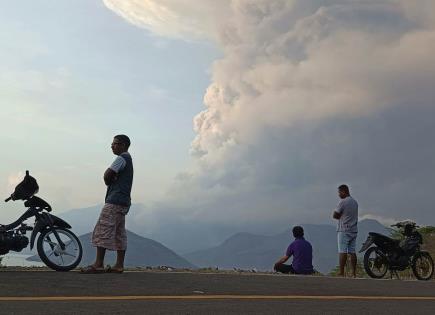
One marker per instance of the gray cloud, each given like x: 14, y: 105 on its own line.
x: 307, y: 96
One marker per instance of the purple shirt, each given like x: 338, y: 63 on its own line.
x: 302, y: 253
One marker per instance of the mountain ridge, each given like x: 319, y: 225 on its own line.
x: 141, y: 252
x: 248, y: 250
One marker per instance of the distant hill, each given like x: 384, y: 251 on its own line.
x: 166, y: 230
x: 83, y: 220
x: 247, y: 251
x: 141, y: 252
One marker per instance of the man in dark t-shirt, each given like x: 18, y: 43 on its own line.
x: 302, y: 253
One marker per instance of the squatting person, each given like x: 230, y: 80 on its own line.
x: 302, y: 253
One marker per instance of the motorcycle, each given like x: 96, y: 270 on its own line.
x: 397, y: 255
x: 57, y: 246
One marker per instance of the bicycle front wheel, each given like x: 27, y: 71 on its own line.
x: 53, y: 255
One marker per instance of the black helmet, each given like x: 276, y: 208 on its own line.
x: 26, y: 189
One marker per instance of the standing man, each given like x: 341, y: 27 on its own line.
x: 302, y: 253
x: 109, y: 232
x: 347, y: 228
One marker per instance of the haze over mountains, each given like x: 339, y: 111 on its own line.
x: 142, y: 252
x: 221, y: 247
x: 183, y: 237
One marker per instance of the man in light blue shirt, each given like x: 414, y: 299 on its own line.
x: 347, y: 228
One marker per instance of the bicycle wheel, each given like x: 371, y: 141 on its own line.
x: 53, y: 255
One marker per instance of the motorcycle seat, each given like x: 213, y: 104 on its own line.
x: 384, y: 238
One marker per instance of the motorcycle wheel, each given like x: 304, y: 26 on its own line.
x: 52, y: 254
x: 422, y: 266
x: 375, y: 265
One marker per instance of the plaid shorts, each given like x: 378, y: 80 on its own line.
x: 109, y: 232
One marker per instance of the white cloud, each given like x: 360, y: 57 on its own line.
x: 172, y: 18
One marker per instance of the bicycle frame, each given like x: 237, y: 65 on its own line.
x: 43, y: 220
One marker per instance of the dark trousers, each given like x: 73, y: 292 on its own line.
x: 284, y: 268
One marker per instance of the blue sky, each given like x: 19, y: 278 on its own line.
x: 73, y: 75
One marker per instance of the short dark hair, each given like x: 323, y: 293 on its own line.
x: 123, y: 139
x: 344, y: 188
x: 298, y: 231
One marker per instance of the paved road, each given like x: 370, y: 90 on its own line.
x: 40, y: 292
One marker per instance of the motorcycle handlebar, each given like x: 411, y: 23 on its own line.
x: 403, y: 224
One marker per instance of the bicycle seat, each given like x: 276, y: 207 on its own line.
x: 38, y: 203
